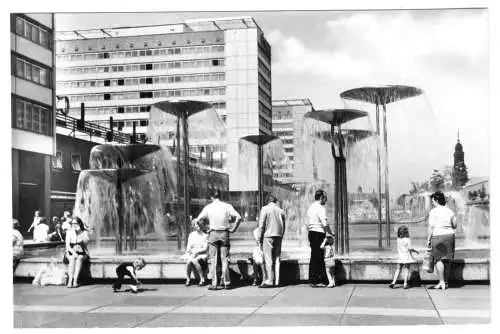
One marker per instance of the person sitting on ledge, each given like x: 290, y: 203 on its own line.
x: 197, y: 252
x: 128, y: 269
x: 77, y: 253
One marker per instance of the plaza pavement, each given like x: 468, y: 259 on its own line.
x: 174, y: 305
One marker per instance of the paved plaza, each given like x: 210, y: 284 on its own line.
x: 174, y: 305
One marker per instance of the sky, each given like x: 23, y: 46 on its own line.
x: 319, y: 54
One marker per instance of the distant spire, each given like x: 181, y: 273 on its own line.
x: 458, y: 135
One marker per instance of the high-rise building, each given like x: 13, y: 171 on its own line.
x: 32, y: 110
x: 121, y: 72
x: 288, y: 120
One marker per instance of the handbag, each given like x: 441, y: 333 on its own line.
x: 428, y: 262
x: 65, y: 258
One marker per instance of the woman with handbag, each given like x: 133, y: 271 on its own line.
x: 77, y: 253
x: 442, y: 225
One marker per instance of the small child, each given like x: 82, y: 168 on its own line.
x: 405, y: 257
x: 327, y: 245
x: 128, y: 269
x: 257, y: 259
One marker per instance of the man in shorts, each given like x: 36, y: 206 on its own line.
x: 219, y: 215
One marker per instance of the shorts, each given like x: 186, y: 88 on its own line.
x: 219, y: 238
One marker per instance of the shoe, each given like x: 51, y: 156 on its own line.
x: 406, y: 286
x: 330, y: 285
x: 227, y: 287
x: 392, y: 285
x: 212, y: 288
x: 202, y: 283
x: 188, y: 282
x: 265, y: 286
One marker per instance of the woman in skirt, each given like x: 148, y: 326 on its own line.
x: 442, y: 225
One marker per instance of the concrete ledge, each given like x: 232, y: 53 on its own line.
x: 292, y: 270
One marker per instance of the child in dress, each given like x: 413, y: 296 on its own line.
x: 197, y: 252
x: 405, y: 257
x: 257, y: 259
x: 128, y: 269
x: 327, y: 245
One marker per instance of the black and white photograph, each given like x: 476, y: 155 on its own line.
x: 250, y: 168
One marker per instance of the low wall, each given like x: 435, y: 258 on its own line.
x: 292, y: 270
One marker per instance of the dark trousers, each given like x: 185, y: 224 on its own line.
x: 317, y: 262
x: 117, y: 284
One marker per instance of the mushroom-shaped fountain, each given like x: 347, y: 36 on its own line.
x: 337, y: 117
x: 382, y: 95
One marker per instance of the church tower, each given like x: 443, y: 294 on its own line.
x: 459, y: 177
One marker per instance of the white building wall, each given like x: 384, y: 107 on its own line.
x: 242, y: 107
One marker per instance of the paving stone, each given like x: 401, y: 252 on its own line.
x: 380, y: 320
x: 229, y: 301
x: 390, y: 302
x: 465, y: 321
x: 195, y: 320
x: 92, y: 320
x: 258, y: 320
x: 33, y: 319
x: 138, y: 300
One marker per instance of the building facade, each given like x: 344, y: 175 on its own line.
x: 288, y: 120
x: 32, y: 113
x: 122, y: 72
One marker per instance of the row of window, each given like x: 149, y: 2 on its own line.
x: 282, y: 114
x: 33, y: 32
x: 282, y: 133
x: 58, y: 161
x: 32, y: 72
x: 32, y: 117
x: 287, y: 141
x: 264, y: 96
x: 143, y: 67
x: 127, y: 109
x: 264, y: 68
x: 265, y: 123
x: 144, y: 80
x: 263, y: 81
x: 149, y: 94
x: 142, y: 53
x: 121, y: 124
x: 263, y: 109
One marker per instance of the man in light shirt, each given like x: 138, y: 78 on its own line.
x: 271, y: 229
x: 318, y: 227
x: 219, y: 215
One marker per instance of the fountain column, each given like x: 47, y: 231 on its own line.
x: 259, y: 140
x: 382, y: 95
x: 183, y: 109
x: 335, y: 118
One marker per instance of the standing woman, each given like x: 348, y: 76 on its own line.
x: 77, y: 253
x: 442, y: 225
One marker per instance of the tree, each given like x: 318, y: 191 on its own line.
x: 436, y: 180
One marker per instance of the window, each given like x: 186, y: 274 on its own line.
x: 120, y: 110
x: 33, y: 32
x: 121, y: 82
x: 76, y: 162
x: 149, y: 80
x: 57, y: 161
x: 149, y: 67
x: 215, y: 62
x: 31, y: 117
x: 143, y: 123
x: 107, y: 83
x: 107, y: 96
x: 146, y: 95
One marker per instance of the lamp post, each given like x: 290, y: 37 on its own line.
x: 336, y: 117
x: 183, y: 110
x: 260, y: 140
x: 382, y: 95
